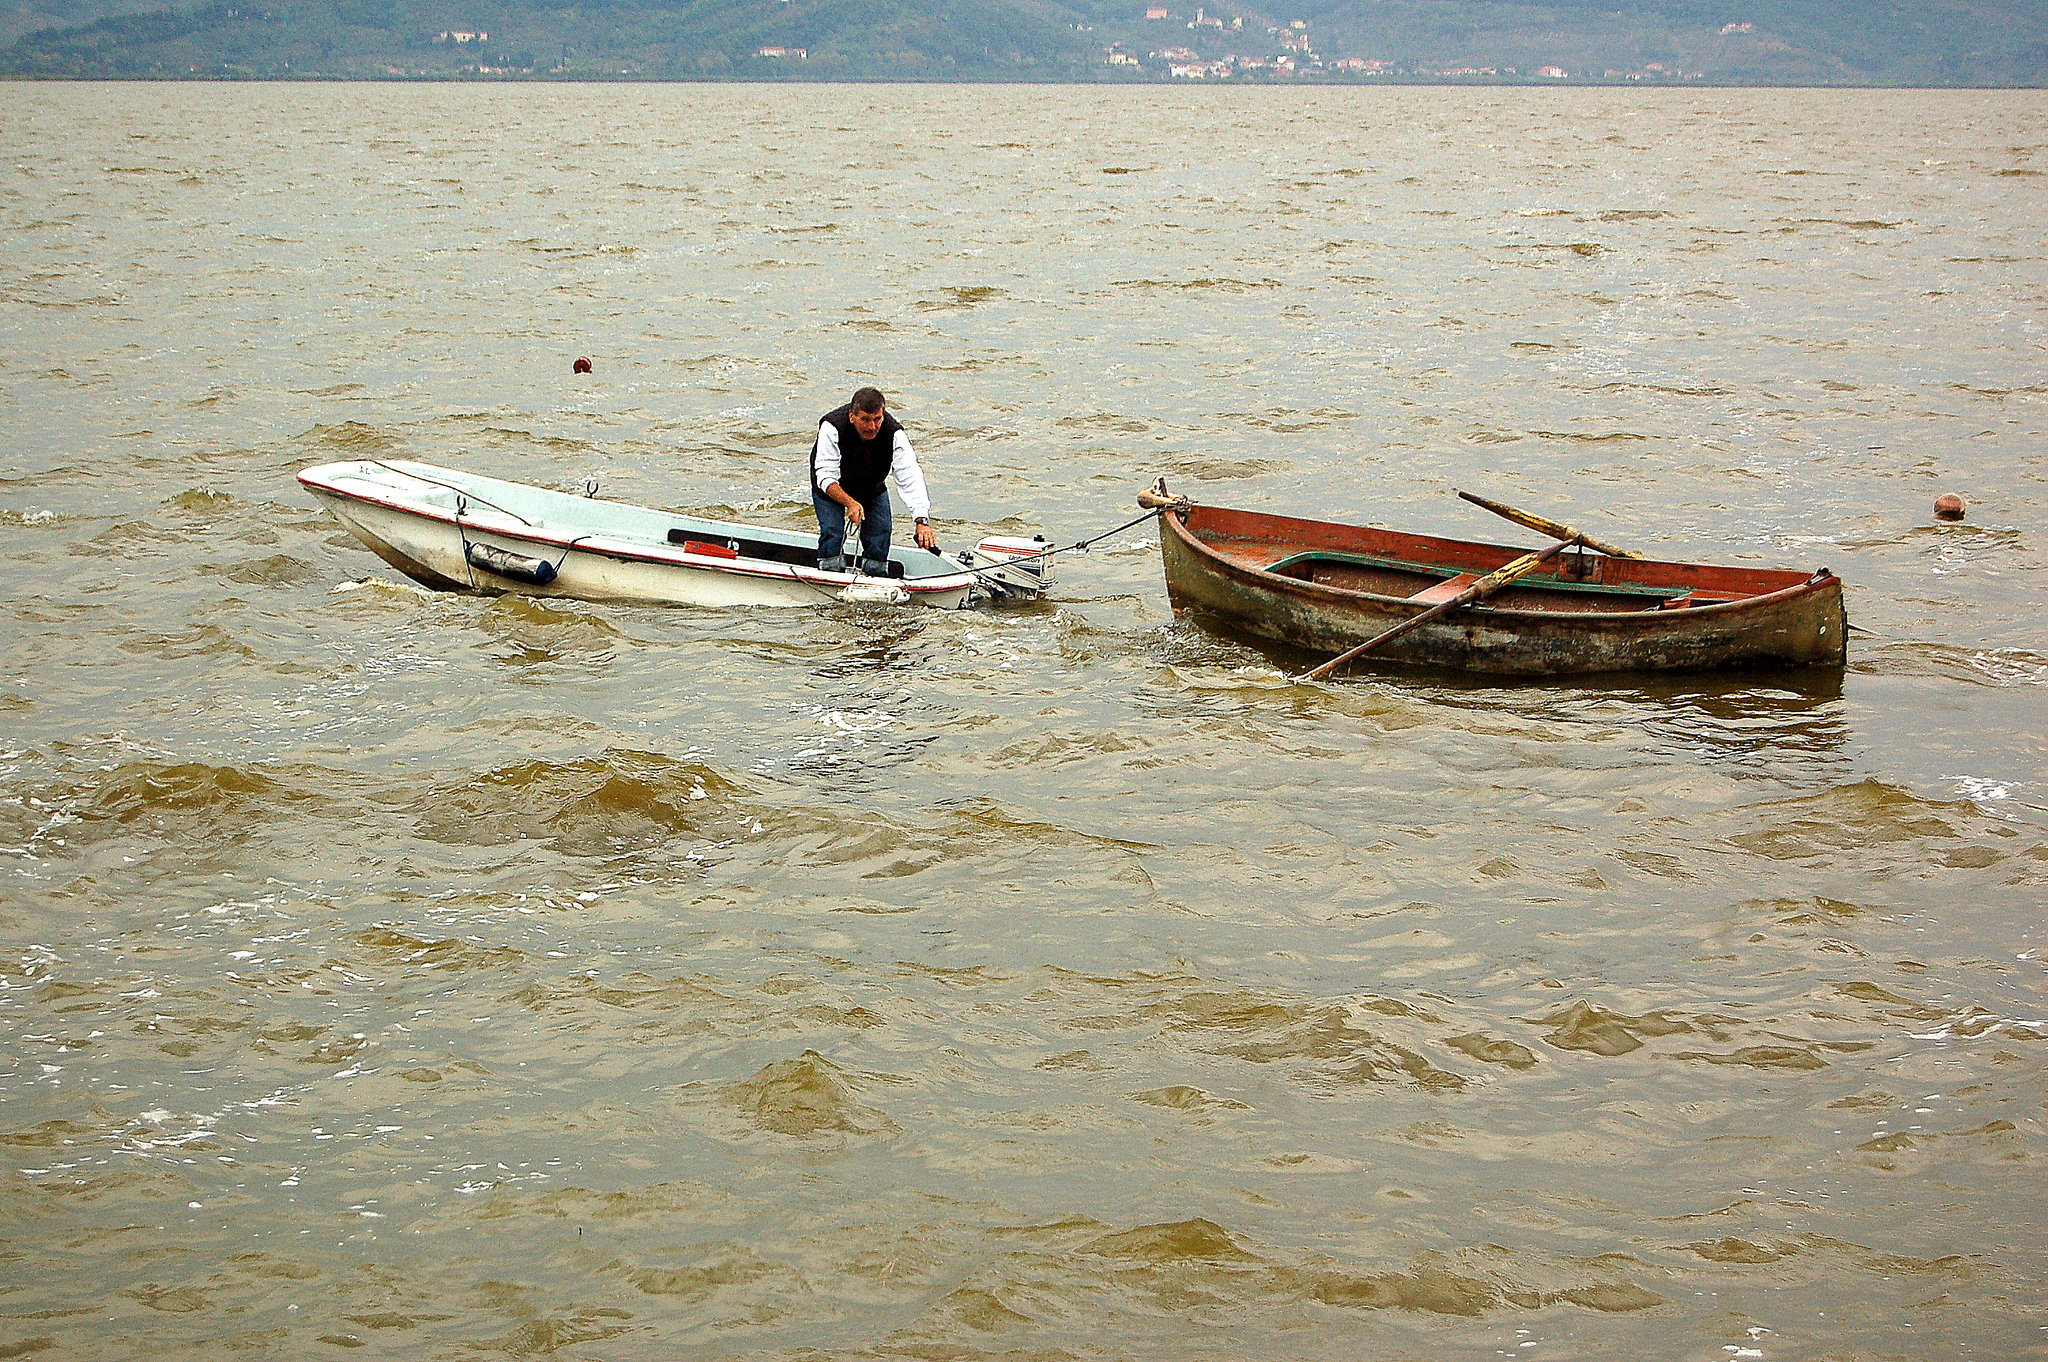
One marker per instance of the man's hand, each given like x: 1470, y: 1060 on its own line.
x: 855, y: 512
x: 926, y: 537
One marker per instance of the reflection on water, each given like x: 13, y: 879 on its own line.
x: 1766, y: 714
x: 1765, y: 719
x: 392, y: 970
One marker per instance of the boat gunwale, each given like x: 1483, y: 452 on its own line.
x: 650, y: 553
x: 1820, y: 580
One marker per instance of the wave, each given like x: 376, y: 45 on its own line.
x: 1201, y: 284
x: 1674, y: 389
x: 962, y: 297
x: 1589, y: 437
x: 178, y: 801
x: 805, y: 1096
x: 277, y: 569
x: 1994, y: 667
x: 1870, y: 813
x: 612, y: 803
x: 1232, y: 1269
x: 1579, y: 248
x: 390, y: 948
x: 355, y: 438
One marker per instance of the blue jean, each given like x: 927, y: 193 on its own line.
x: 874, y: 533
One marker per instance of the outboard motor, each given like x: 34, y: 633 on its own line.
x: 1015, y: 566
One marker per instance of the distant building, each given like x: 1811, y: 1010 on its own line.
x: 457, y: 35
x: 1738, y: 28
x: 1552, y: 72
x: 1156, y: 12
x: 801, y: 54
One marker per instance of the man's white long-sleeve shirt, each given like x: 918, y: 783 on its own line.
x: 903, y: 468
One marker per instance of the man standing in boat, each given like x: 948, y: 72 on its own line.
x: 860, y: 447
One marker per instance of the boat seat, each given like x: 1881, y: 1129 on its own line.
x: 1444, y: 590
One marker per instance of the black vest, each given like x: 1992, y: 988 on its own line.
x: 863, y: 464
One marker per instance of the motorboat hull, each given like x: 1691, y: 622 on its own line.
x: 453, y: 530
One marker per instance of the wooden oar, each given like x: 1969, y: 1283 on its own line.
x: 1478, y: 591
x: 1547, y: 526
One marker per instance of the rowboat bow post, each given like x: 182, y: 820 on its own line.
x: 1327, y: 588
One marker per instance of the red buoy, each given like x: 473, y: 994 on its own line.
x: 1948, y: 506
x: 582, y: 364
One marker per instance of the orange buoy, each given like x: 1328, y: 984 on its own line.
x: 1948, y: 506
x: 582, y: 364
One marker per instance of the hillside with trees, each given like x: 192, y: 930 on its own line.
x: 1714, y: 42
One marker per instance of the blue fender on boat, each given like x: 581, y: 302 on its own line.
x: 505, y: 563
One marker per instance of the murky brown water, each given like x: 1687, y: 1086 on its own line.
x: 447, y: 976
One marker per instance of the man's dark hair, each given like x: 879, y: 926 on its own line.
x: 868, y: 400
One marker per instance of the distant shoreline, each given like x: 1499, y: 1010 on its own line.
x: 1143, y: 83
x: 1486, y: 44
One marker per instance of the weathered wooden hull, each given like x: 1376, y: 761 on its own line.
x: 1339, y: 585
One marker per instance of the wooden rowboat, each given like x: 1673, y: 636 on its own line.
x: 1326, y: 588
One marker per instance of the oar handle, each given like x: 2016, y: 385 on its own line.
x: 1545, y: 525
x: 1478, y: 591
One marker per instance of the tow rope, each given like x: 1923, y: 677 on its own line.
x: 1078, y: 546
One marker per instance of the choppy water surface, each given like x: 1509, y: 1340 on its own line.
x: 443, y: 975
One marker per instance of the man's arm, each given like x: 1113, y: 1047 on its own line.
x: 827, y: 476
x: 903, y: 467
x: 827, y: 471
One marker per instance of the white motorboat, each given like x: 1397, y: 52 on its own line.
x: 458, y: 531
